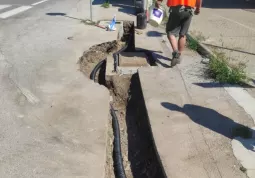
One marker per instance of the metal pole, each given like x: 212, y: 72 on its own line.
x: 91, y: 10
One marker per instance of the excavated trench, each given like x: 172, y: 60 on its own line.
x: 139, y: 155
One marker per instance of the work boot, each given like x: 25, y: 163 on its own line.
x: 179, y: 59
x: 175, y: 58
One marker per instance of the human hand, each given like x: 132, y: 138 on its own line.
x: 157, y: 3
x: 197, y: 11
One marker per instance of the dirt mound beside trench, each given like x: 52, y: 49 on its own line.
x: 97, y: 53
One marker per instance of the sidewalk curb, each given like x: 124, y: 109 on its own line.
x: 202, y: 49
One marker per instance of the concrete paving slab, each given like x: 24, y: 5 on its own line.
x: 244, y: 155
x: 133, y: 59
x: 244, y: 151
x: 154, y: 39
x: 171, y: 129
x: 192, y: 124
x: 50, y: 126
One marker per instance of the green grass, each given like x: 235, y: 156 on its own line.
x: 192, y: 44
x: 106, y: 4
x: 222, y: 71
x: 243, y: 169
x: 220, y: 67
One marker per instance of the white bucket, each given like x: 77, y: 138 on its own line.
x: 156, y: 16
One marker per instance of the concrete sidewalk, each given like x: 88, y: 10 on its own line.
x: 191, y: 116
x: 50, y: 120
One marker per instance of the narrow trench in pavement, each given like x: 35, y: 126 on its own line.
x: 139, y: 155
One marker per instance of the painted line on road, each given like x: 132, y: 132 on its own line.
x: 39, y: 2
x: 4, y: 6
x: 14, y: 11
x: 243, y: 98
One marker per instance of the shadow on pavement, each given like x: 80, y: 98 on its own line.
x: 158, y: 58
x: 63, y: 15
x: 56, y: 14
x: 125, y: 6
x: 229, y: 4
x: 209, y: 118
x: 155, y: 34
x: 219, y: 85
x: 155, y: 57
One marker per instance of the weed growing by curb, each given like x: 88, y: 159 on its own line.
x: 193, y: 41
x: 220, y: 67
x: 106, y: 4
x: 243, y: 169
x: 192, y: 44
x: 224, y: 72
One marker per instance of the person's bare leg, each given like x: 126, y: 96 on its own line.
x: 181, y: 47
x: 181, y: 44
x: 173, y: 42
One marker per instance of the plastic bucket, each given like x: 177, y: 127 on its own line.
x: 156, y: 17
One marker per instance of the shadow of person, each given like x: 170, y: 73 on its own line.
x: 212, y: 120
x: 155, y: 34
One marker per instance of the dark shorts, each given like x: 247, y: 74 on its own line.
x: 179, y: 20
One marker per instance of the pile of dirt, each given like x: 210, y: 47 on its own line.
x: 119, y: 89
x: 97, y: 53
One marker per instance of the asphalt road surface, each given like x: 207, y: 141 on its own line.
x: 9, y: 8
x: 43, y: 129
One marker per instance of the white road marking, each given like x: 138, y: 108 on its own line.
x: 243, y: 98
x: 14, y: 11
x: 4, y: 6
x: 39, y: 2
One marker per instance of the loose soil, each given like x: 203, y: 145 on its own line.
x: 97, y: 53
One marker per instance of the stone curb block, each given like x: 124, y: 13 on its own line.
x: 202, y: 49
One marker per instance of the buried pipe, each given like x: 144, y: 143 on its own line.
x: 118, y: 160
x: 96, y: 69
x: 117, y: 155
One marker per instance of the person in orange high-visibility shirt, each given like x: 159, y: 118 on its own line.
x: 181, y: 12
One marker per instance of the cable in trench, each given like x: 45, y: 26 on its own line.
x: 118, y: 159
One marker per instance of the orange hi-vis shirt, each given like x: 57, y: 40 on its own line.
x: 190, y: 3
